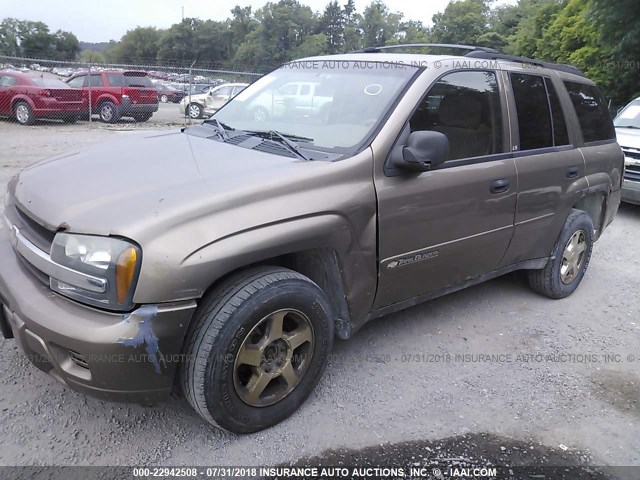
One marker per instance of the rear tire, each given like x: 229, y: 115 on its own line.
x: 24, y: 113
x: 256, y: 349
x: 108, y: 112
x: 569, y: 261
x: 164, y: 98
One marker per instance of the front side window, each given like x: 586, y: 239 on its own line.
x: 349, y: 101
x: 222, y: 91
x: 76, y: 82
x: 592, y: 112
x: 465, y: 106
x: 95, y: 80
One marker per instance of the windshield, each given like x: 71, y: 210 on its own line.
x: 334, y: 105
x: 629, y: 116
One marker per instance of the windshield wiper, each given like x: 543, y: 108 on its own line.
x: 220, y: 127
x: 274, y: 135
x: 628, y: 126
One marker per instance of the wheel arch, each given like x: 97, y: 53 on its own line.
x: 594, y: 205
x: 21, y: 98
x: 322, y: 265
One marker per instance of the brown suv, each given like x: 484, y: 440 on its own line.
x: 225, y: 258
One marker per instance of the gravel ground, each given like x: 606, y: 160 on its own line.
x: 389, y: 386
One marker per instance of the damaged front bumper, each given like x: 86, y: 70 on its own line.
x: 122, y: 357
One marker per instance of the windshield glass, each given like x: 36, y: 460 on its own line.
x: 629, y: 116
x: 334, y: 105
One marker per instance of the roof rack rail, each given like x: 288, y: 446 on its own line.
x: 423, y: 45
x: 529, y: 61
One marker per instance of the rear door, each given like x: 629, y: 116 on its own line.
x: 444, y: 227
x: 551, y: 169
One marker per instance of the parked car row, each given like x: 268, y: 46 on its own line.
x: 111, y: 94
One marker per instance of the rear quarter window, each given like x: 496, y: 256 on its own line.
x: 143, y: 82
x: 593, y: 115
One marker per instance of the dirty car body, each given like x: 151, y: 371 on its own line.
x: 185, y: 210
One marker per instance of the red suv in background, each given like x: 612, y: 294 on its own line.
x: 27, y: 98
x: 116, y: 94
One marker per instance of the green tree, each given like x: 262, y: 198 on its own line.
x: 351, y: 20
x: 462, y: 22
x: 618, y: 25
x: 379, y: 26
x: 138, y: 46
x: 331, y: 24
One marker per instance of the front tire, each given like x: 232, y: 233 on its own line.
x: 24, y: 113
x: 569, y: 261
x: 256, y: 349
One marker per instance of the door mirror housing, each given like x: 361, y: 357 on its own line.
x: 424, y: 151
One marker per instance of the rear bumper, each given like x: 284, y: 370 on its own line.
x: 128, y: 108
x: 631, y: 192
x: 120, y: 357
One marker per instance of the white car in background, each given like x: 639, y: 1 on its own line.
x: 206, y: 104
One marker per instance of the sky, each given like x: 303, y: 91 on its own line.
x: 104, y: 20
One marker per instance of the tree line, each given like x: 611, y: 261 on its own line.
x: 599, y: 36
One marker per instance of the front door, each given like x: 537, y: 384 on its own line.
x: 442, y: 228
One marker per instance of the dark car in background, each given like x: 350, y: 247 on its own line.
x: 167, y: 93
x: 27, y: 98
x: 113, y: 94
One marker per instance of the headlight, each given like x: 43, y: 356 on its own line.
x: 114, y: 260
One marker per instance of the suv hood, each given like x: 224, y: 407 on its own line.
x: 628, y: 137
x: 125, y: 186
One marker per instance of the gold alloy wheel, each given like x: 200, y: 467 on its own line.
x: 573, y: 257
x: 273, y: 358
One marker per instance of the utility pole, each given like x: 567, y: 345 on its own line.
x: 183, y: 13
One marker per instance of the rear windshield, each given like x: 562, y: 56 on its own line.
x: 138, y: 81
x: 48, y: 82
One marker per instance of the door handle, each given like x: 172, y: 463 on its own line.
x: 500, y: 186
x: 572, y: 172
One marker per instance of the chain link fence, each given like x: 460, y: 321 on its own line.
x: 36, y: 90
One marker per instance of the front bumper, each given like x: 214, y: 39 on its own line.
x: 631, y: 192
x: 120, y: 357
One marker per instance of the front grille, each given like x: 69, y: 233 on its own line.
x: 632, y: 173
x: 630, y: 154
x: 40, y: 236
x: 78, y: 359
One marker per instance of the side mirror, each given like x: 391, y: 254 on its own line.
x: 424, y: 151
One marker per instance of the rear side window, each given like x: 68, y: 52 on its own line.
x: 534, y: 115
x: 592, y: 112
x: 116, y: 79
x: 7, y: 81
